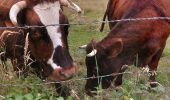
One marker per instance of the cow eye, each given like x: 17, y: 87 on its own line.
x: 34, y: 33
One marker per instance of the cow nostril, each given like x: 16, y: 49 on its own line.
x: 62, y: 73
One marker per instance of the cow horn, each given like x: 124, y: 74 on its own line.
x: 92, y: 53
x: 83, y: 47
x: 15, y: 9
x: 71, y: 5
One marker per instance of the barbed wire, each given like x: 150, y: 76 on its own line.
x: 52, y: 82
x: 88, y: 23
x: 77, y: 79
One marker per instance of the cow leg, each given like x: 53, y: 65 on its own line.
x: 147, y: 53
x: 119, y: 80
x: 150, y: 55
x: 153, y: 68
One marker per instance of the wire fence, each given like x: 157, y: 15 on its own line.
x: 52, y: 82
x: 46, y: 82
x: 90, y: 23
x: 73, y: 80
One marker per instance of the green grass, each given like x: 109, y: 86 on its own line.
x: 133, y: 86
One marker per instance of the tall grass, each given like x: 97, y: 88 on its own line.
x: 134, y: 86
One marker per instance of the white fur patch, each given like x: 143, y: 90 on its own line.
x: 49, y: 14
x: 53, y: 65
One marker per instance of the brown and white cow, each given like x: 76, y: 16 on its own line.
x: 127, y: 40
x: 48, y: 45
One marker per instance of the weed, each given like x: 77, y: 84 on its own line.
x: 134, y: 86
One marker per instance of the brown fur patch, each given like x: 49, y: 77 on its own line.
x: 7, y: 3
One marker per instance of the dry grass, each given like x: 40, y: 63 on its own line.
x: 133, y: 87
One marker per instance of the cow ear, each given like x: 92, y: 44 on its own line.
x: 114, y: 48
x: 91, y: 46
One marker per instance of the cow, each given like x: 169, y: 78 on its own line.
x: 113, y: 14
x: 129, y: 42
x: 45, y: 47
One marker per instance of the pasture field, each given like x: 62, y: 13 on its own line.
x: 135, y: 86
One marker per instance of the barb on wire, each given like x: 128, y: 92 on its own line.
x: 90, y: 23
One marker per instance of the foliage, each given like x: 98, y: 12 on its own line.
x: 133, y: 88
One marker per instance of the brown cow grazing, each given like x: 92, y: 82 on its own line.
x: 115, y: 11
x: 128, y: 39
x: 47, y: 46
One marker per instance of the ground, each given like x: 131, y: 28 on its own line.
x: 135, y: 86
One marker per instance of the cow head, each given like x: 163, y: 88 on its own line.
x: 99, y: 62
x: 47, y: 44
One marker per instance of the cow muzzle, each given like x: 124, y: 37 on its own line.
x: 62, y: 74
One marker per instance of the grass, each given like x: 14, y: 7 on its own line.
x: 133, y: 88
